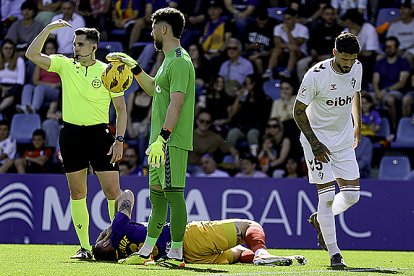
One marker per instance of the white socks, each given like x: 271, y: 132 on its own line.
x: 145, y: 250
x: 348, y: 196
x: 260, y: 251
x: 175, y: 253
x: 326, y: 218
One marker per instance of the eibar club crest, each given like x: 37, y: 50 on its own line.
x: 353, y: 82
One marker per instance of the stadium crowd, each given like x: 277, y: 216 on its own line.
x: 249, y: 56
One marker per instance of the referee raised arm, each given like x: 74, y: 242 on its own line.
x: 85, y: 138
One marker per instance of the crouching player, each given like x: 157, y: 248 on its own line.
x: 205, y: 242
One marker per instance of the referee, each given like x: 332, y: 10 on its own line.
x: 85, y: 138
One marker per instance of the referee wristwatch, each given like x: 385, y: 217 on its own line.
x: 120, y: 138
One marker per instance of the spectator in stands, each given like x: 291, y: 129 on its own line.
x: 408, y: 99
x: 248, y: 166
x: 125, y: 14
x: 45, y: 85
x: 7, y: 147
x: 290, y: 40
x: 201, y: 66
x: 206, y: 141
x: 403, y: 30
x: 217, y: 31
x: 139, y: 116
x: 258, y: 40
x: 308, y: 11
x: 371, y: 119
x: 130, y: 158
x: 244, y: 122
x: 36, y: 158
x: 218, y: 104
x: 292, y: 168
x: 236, y: 69
x: 241, y: 12
x: 282, y: 108
x: 209, y: 168
x: 95, y: 13
x: 64, y: 36
x: 53, y: 122
x: 281, y: 143
x: 321, y: 40
x: 364, y: 157
x: 12, y: 75
x: 342, y: 6
x: 143, y: 21
x: 47, y: 10
x: 195, y: 12
x: 10, y: 12
x: 368, y: 41
x: 23, y: 31
x: 390, y: 79
x: 266, y: 154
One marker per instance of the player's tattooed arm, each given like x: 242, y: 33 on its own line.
x: 320, y: 151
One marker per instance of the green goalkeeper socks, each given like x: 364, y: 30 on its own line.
x: 178, y: 214
x: 159, y: 209
x: 111, y: 208
x: 80, y: 218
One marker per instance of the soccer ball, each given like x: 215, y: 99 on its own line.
x: 117, y: 77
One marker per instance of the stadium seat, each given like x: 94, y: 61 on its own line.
x: 387, y: 15
x: 111, y: 46
x: 385, y: 129
x: 405, y: 134
x: 22, y: 127
x: 410, y: 176
x: 276, y: 13
x: 272, y: 89
x: 394, y: 167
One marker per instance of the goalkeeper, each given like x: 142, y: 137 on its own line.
x: 172, y: 120
x: 205, y: 242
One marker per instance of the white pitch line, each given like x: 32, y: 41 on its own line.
x: 319, y: 271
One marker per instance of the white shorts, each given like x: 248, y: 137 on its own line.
x: 342, y: 164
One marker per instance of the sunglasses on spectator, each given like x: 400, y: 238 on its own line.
x: 232, y: 48
x: 273, y: 126
x: 201, y: 121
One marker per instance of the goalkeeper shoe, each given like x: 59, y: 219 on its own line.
x: 313, y: 220
x: 170, y: 262
x: 137, y: 259
x: 269, y: 259
x: 83, y: 254
x: 337, y: 261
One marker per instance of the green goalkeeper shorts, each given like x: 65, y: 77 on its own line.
x: 173, y: 173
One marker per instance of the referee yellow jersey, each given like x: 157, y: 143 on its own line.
x: 85, y: 101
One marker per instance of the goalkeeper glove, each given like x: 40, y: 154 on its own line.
x: 156, y: 152
x: 129, y: 61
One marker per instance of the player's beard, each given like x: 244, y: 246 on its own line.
x: 342, y: 69
x: 158, y: 44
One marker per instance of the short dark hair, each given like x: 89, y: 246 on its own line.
x: 291, y: 12
x: 50, y: 40
x: 92, y: 34
x: 4, y: 123
x: 395, y: 39
x: 355, y: 16
x: 39, y: 132
x: 30, y: 5
x: 171, y: 16
x: 347, y: 43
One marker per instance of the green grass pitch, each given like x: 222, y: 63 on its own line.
x: 54, y: 260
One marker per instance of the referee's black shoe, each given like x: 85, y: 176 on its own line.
x: 313, y: 220
x: 337, y: 261
x: 83, y: 254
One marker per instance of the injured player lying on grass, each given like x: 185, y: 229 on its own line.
x: 205, y: 242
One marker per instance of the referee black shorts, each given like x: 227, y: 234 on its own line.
x: 81, y: 145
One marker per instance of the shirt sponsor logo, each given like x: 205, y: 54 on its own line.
x: 158, y: 89
x: 96, y: 83
x: 339, y: 101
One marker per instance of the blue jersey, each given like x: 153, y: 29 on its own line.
x: 128, y: 237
